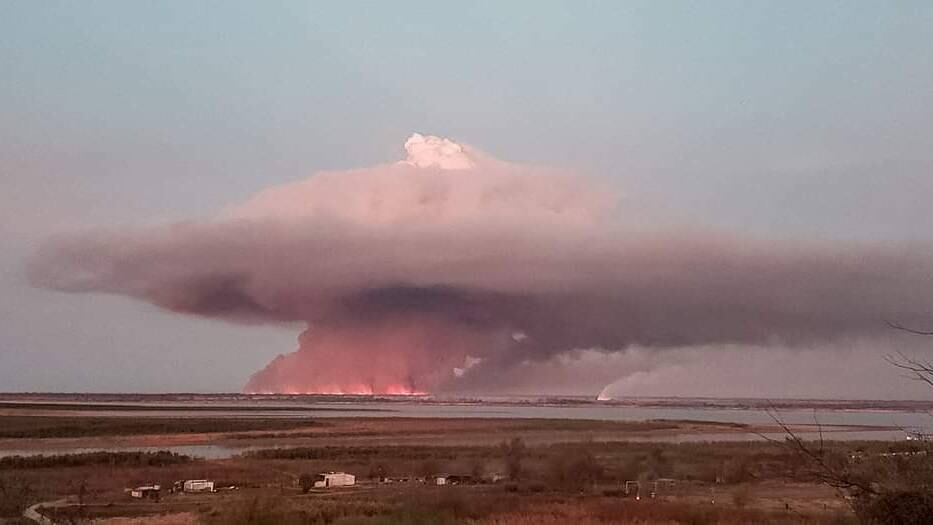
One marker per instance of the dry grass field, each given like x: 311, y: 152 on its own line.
x: 514, y: 471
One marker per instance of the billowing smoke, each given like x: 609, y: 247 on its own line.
x: 852, y: 368
x: 450, y: 270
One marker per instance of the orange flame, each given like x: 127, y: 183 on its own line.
x: 349, y: 390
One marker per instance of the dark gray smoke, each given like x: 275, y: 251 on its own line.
x: 449, y: 268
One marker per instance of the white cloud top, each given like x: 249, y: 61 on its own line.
x: 405, y: 269
x: 436, y: 152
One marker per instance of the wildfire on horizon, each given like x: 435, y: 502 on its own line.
x: 451, y: 271
x: 348, y: 390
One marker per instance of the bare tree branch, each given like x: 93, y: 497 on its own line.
x: 840, y: 480
x: 919, y: 370
x: 898, y: 326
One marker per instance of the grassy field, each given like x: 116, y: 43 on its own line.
x: 545, y: 471
x: 22, y: 431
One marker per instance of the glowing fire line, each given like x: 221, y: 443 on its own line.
x: 351, y: 390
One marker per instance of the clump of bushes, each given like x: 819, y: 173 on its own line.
x: 901, y: 507
x: 49, y: 426
x: 575, y: 471
x: 362, y: 453
x: 305, y: 483
x: 514, y: 453
x: 15, y: 495
x: 159, y: 458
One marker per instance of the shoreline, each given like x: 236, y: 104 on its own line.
x: 311, y: 402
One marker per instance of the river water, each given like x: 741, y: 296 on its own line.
x: 889, y: 424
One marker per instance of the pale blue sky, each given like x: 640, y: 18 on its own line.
x: 785, y: 119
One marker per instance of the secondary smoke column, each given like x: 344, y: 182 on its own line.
x: 448, y: 268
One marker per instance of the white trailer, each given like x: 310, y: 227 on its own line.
x: 334, y: 479
x: 199, y: 485
x: 146, y: 491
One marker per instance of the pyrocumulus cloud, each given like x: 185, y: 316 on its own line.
x: 450, y: 269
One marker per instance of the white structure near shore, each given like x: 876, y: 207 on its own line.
x: 334, y: 479
x: 145, y: 491
x: 199, y: 485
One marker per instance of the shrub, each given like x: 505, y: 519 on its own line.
x: 15, y: 495
x: 159, y: 458
x: 514, y: 452
x: 909, y: 507
x: 306, y: 482
x: 574, y: 471
x: 52, y: 426
x: 378, y: 471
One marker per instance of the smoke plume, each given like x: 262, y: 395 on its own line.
x: 450, y: 269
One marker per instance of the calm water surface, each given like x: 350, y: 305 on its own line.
x: 893, y: 420
x: 607, y: 412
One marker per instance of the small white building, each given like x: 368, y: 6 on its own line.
x: 199, y: 485
x: 441, y: 479
x: 146, y: 491
x: 334, y: 479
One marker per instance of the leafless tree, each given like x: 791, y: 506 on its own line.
x: 823, y: 466
x: 513, y: 452
x: 901, y: 492
x: 918, y: 369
